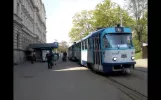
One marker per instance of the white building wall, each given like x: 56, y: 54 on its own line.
x: 28, y: 27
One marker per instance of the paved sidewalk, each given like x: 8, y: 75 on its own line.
x: 67, y: 81
x: 142, y: 64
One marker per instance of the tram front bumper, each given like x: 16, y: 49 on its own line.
x: 109, y: 67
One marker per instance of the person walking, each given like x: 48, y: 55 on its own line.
x: 49, y: 57
x: 64, y: 56
x: 34, y: 56
x: 31, y: 58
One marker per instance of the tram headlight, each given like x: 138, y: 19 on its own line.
x: 132, y: 57
x: 114, y: 58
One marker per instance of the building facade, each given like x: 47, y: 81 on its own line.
x: 29, y: 26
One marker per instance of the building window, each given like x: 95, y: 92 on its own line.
x: 18, y: 40
x: 18, y: 8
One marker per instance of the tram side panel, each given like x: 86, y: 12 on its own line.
x: 70, y: 53
x: 77, y: 53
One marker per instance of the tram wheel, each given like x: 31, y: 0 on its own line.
x: 92, y: 68
x: 89, y: 66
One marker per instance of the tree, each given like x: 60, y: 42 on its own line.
x: 103, y: 14
x: 63, y: 46
x: 82, y: 25
x: 107, y: 14
x: 138, y: 9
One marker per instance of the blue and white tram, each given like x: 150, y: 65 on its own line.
x: 107, y: 50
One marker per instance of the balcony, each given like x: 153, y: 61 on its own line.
x: 17, y: 18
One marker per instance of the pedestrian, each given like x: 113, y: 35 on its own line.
x: 65, y: 54
x: 49, y: 57
x: 34, y: 57
x: 31, y: 58
x: 54, y: 59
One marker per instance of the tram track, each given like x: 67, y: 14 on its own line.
x: 140, y: 70
x: 133, y: 94
x: 129, y: 91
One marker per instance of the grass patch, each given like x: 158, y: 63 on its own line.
x: 138, y: 55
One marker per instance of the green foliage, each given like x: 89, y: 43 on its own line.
x: 62, y: 46
x: 107, y: 14
x: 135, y: 43
x: 81, y: 25
x: 138, y: 55
x: 138, y: 10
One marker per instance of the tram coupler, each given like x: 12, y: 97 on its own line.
x: 128, y: 71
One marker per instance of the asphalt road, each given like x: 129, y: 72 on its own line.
x: 66, y: 81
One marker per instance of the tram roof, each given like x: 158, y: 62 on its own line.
x: 106, y: 30
x: 113, y: 30
x: 91, y: 34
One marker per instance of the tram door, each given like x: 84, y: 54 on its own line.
x: 97, y: 51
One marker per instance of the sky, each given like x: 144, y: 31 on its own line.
x: 59, y: 15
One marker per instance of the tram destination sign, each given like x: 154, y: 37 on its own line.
x: 119, y: 29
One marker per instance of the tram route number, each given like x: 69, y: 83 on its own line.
x: 123, y: 56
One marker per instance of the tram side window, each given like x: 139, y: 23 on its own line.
x: 105, y: 42
x: 85, y: 42
x: 95, y: 44
x: 89, y: 44
x: 93, y: 39
x: 79, y: 45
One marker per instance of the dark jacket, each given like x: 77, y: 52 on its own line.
x: 49, y: 56
x: 65, y: 54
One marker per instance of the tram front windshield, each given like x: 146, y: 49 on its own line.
x: 117, y: 40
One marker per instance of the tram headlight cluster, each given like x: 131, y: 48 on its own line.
x: 114, y: 58
x: 132, y: 57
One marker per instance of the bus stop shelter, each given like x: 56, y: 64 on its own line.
x: 39, y: 48
x: 44, y: 46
